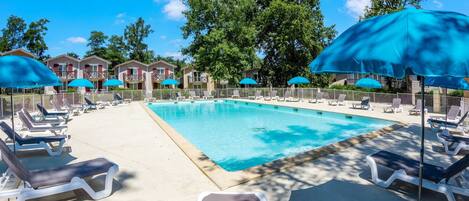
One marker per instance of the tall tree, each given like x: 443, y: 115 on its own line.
x: 97, y: 44
x: 382, y: 7
x: 73, y: 54
x: 291, y: 34
x: 116, y: 50
x: 223, y: 36
x: 34, y: 38
x: 12, y: 34
x: 135, y: 35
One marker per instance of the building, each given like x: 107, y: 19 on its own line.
x: 140, y: 76
x: 160, y: 71
x: 194, y: 79
x: 68, y: 68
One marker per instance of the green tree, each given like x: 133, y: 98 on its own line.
x: 223, y: 36
x: 382, y: 7
x: 291, y: 34
x: 135, y: 35
x: 73, y: 54
x: 12, y: 34
x: 97, y: 44
x: 116, y: 50
x: 34, y: 38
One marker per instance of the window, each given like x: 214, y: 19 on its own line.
x: 196, y: 76
x: 62, y: 67
x: 160, y: 71
x: 93, y: 67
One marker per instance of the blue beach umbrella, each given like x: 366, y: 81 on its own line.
x: 248, y: 81
x: 18, y: 72
x: 412, y: 41
x: 170, y: 82
x: 81, y: 83
x: 298, y: 80
x: 113, y: 83
x: 368, y: 83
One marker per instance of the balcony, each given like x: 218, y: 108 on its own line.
x: 160, y: 77
x: 94, y: 75
x: 199, y: 79
x: 66, y: 75
x: 133, y: 78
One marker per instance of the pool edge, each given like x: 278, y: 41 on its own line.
x: 224, y: 179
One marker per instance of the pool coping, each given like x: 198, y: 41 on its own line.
x: 224, y: 179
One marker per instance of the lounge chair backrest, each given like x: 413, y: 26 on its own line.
x: 453, y: 112
x: 396, y: 102
x: 206, y: 93
x: 9, y: 131
x: 28, y: 124
x: 178, y: 94
x: 26, y: 114
x: 287, y: 94
x: 456, y: 168
x: 258, y: 92
x: 118, y: 97
x: 319, y: 95
x: 88, y: 101
x: 273, y: 93
x: 461, y: 120
x: 235, y: 93
x: 13, y: 163
x: 42, y: 109
x: 365, y: 102
x: 341, y: 98
x: 192, y: 93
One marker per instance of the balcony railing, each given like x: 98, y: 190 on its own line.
x: 133, y: 78
x: 197, y: 79
x: 160, y: 77
x: 66, y: 75
x: 94, y: 75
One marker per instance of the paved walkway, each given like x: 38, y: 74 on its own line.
x: 153, y: 168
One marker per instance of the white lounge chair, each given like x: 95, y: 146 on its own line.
x: 43, y: 127
x: 35, y: 143
x: 452, y: 144
x: 45, y: 182
x: 257, y: 95
x: 435, y: 178
x: 452, y: 115
x: 417, y: 108
x: 42, y: 121
x: 193, y: 95
x: 272, y: 96
x: 232, y: 196
x: 207, y: 95
x: 395, y: 107
x: 180, y: 97
x: 317, y: 99
x: 364, y: 104
x: 235, y: 94
x: 52, y: 114
x: 437, y: 124
x: 340, y: 100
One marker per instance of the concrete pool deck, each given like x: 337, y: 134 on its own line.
x: 152, y: 167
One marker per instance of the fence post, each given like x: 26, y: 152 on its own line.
x: 73, y: 98
x: 374, y: 97
x: 132, y: 95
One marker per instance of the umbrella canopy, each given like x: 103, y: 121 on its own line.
x: 24, y: 72
x: 113, y: 83
x: 298, y: 80
x: 411, y: 41
x: 248, y: 81
x: 170, y: 82
x: 368, y: 83
x: 81, y: 83
x: 447, y: 82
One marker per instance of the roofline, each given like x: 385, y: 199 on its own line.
x: 127, y: 62
x: 94, y: 56
x: 63, y: 55
x: 162, y: 61
x: 19, y: 49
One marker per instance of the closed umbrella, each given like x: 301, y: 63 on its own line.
x: 409, y: 42
x: 18, y: 72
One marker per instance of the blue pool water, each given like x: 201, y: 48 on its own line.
x: 237, y: 135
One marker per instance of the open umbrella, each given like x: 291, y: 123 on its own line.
x: 170, y: 82
x: 298, y: 80
x: 412, y: 41
x: 113, y: 83
x: 248, y: 81
x: 81, y: 83
x: 18, y: 72
x: 368, y: 83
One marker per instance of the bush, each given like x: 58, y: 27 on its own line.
x: 459, y: 93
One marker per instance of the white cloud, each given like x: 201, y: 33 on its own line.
x: 356, y: 8
x: 173, y: 9
x: 77, y: 39
x: 437, y: 3
x: 120, y: 18
x: 176, y: 55
x: 163, y: 37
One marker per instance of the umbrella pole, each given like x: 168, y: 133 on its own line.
x: 422, y: 138
x: 13, y: 121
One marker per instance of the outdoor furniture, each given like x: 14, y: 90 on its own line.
x: 318, y: 99
x: 193, y: 96
x: 451, y: 116
x: 285, y: 96
x: 207, y: 95
x: 52, y: 114
x: 43, y: 127
x: 235, y: 94
x: 120, y: 100
x: 340, y: 100
x: 90, y: 105
x: 453, y: 144
x: 232, y: 196
x: 42, y: 121
x: 364, y: 104
x: 395, y: 107
x: 435, y: 178
x: 257, y: 95
x: 179, y: 97
x: 417, y: 108
x: 34, y: 143
x: 272, y: 96
x: 46, y: 182
x: 437, y: 124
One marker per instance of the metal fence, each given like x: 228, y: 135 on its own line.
x: 29, y: 101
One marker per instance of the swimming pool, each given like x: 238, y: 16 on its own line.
x: 237, y: 135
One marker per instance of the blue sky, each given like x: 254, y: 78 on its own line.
x: 72, y: 21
